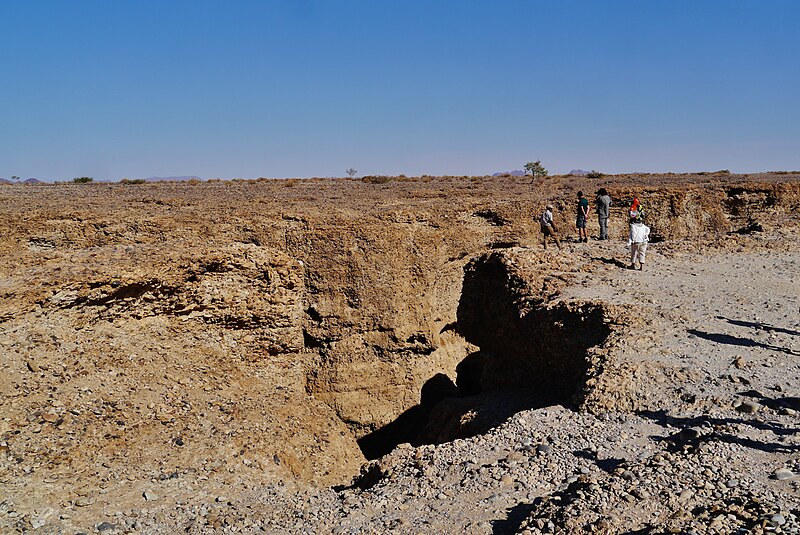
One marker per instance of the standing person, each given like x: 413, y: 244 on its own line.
x: 603, y: 205
x: 638, y: 237
x: 583, y: 215
x: 548, y: 227
x: 635, y: 211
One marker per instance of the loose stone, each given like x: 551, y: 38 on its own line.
x: 782, y: 474
x: 777, y: 520
x: 748, y: 407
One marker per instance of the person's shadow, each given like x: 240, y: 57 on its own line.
x: 758, y: 325
x: 739, y: 341
x: 611, y: 261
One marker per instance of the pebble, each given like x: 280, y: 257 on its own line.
x: 32, y: 366
x: 748, y: 407
x: 149, y: 496
x: 514, y: 457
x: 106, y: 526
x: 782, y: 474
x: 777, y: 520
x: 690, y: 433
x: 544, y: 448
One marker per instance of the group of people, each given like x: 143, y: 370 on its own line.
x: 638, y: 234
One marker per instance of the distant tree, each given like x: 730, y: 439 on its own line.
x: 82, y: 180
x: 594, y: 174
x: 536, y: 169
x: 352, y: 172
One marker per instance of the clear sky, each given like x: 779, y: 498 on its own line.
x: 299, y: 88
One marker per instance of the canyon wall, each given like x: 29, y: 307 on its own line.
x: 301, y: 327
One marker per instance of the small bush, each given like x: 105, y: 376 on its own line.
x: 594, y: 174
x: 82, y: 180
x: 722, y: 172
x: 134, y: 181
x: 376, y: 179
x: 290, y: 183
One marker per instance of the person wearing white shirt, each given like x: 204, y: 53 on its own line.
x: 637, y: 240
x: 548, y: 227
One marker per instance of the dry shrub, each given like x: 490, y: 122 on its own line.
x: 376, y: 179
x: 290, y: 183
x: 195, y: 181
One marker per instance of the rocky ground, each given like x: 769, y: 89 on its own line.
x: 168, y: 370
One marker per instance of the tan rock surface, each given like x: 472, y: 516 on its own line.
x: 202, y: 341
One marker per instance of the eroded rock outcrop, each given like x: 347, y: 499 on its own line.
x: 291, y: 322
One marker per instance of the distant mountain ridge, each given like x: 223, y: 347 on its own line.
x: 171, y: 178
x: 26, y: 181
x: 516, y: 172
x: 579, y: 172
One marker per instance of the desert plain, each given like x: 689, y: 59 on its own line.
x: 399, y: 355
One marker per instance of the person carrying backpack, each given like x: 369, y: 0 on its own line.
x: 638, y: 237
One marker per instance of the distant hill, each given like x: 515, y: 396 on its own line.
x: 516, y: 172
x: 171, y: 178
x: 579, y: 172
x: 26, y: 181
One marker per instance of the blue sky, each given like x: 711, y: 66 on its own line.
x: 305, y: 88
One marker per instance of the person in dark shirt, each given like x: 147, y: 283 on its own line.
x: 583, y: 214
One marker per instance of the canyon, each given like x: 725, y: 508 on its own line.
x: 262, y: 351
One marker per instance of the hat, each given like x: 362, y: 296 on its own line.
x: 549, y: 207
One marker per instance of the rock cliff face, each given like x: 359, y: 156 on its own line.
x: 302, y: 326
